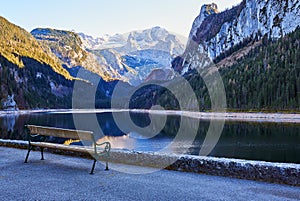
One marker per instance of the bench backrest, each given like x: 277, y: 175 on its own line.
x: 60, y: 132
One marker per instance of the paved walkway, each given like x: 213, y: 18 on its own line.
x: 66, y: 178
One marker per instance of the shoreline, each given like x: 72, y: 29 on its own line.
x: 222, y: 116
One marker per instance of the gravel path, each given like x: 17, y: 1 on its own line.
x: 66, y: 178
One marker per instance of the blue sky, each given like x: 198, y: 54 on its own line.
x: 99, y: 17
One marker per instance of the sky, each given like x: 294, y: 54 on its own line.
x: 99, y: 17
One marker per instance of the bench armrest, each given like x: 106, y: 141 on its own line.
x: 107, y: 147
x: 37, y: 138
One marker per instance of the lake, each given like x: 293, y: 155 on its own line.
x: 274, y: 142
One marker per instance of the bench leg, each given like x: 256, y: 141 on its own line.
x: 42, y: 153
x: 106, y: 168
x: 92, y: 171
x: 29, y: 149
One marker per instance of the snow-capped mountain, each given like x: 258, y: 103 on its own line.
x: 134, y: 55
x: 154, y: 38
x: 213, y: 33
x: 104, y: 42
x: 128, y: 57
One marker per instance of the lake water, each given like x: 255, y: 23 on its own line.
x: 275, y: 142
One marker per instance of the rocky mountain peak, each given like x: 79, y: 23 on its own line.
x: 211, y: 8
x: 205, y: 11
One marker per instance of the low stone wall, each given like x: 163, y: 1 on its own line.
x: 284, y: 173
x: 243, y: 169
x: 14, y: 143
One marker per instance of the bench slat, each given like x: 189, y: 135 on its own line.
x: 63, y: 147
x: 81, y: 149
x: 63, y: 133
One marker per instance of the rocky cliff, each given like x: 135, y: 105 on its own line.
x: 214, y: 33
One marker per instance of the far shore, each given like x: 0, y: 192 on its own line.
x: 278, y: 117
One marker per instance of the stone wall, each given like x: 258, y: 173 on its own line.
x: 243, y: 169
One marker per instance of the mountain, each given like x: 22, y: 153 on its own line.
x: 35, y: 85
x: 206, y: 10
x: 69, y: 48
x: 156, y: 38
x: 255, y: 47
x: 38, y: 69
x: 135, y: 55
x: 16, y: 43
x: 266, y: 79
x: 105, y: 42
x: 30, y: 72
x: 35, y: 72
x: 127, y: 57
x: 66, y: 45
x: 214, y: 33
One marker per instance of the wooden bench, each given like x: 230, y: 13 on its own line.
x: 38, y: 135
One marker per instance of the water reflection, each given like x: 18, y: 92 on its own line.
x: 258, y: 141
x: 8, y: 122
x: 11, y: 126
x: 119, y: 142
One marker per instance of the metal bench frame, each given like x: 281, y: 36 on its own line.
x: 97, y: 150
